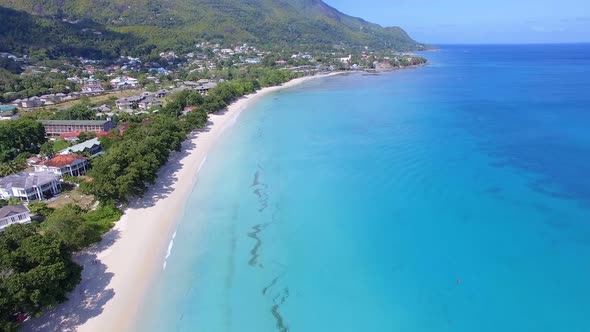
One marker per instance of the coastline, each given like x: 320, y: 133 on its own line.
x: 119, y: 270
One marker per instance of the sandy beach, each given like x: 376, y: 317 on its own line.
x: 119, y: 270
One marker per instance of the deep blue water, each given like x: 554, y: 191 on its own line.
x: 451, y: 197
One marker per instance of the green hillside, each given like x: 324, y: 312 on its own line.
x: 22, y: 33
x: 310, y: 23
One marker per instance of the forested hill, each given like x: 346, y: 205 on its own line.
x: 167, y: 23
x: 22, y: 33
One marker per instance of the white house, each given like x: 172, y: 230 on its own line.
x: 29, y: 186
x: 64, y: 164
x: 124, y: 82
x: 13, y: 214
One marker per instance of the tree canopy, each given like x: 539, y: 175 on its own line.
x: 36, y: 272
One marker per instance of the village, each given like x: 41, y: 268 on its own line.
x: 129, y: 86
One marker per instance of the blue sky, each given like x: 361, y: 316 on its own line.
x: 473, y: 21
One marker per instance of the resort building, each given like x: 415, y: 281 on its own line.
x: 57, y: 127
x: 64, y: 164
x: 30, y: 186
x: 14, y: 214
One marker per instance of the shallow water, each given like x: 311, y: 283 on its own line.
x: 452, y: 197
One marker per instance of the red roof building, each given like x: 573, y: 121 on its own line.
x: 64, y: 164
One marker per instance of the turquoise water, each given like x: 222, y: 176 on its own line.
x: 453, y: 197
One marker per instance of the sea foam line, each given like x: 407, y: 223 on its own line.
x: 169, y: 250
x: 202, y: 163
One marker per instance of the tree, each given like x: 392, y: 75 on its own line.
x: 40, y: 209
x: 18, y: 136
x: 85, y: 136
x: 36, y: 272
x: 47, y: 149
x: 67, y: 225
x: 11, y: 168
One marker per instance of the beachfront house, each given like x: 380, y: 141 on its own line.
x: 203, y: 89
x: 30, y: 186
x: 14, y: 214
x: 64, y: 164
x: 92, y: 147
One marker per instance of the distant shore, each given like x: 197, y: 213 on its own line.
x: 120, y: 269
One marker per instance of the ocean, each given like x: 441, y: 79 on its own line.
x: 450, y: 197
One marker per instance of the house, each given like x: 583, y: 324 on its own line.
x: 64, y: 164
x: 8, y: 115
x: 203, y: 89
x: 346, y: 59
x: 161, y: 93
x: 124, y: 82
x: 7, y: 108
x: 32, y: 102
x: 252, y: 60
x: 188, y: 109
x: 91, y: 147
x: 29, y: 186
x: 14, y: 214
x: 102, y: 109
x: 94, y: 88
x: 33, y: 160
x: 129, y: 102
x: 57, y: 127
x: 149, y: 102
x: 50, y: 99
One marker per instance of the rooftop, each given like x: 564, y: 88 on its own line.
x: 63, y: 160
x: 6, y: 108
x: 75, y: 122
x: 12, y: 210
x: 27, y: 180
x: 82, y: 146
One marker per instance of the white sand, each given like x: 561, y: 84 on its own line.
x: 119, y: 270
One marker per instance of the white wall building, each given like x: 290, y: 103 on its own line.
x: 29, y: 186
x: 14, y: 214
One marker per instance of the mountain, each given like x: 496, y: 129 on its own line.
x: 177, y: 23
x: 22, y: 33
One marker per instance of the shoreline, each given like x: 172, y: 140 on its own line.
x: 119, y: 270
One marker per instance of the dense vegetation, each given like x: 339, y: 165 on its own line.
x: 36, y: 272
x: 180, y: 23
x: 22, y: 33
x: 19, y: 139
x: 36, y: 267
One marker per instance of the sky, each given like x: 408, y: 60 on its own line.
x: 478, y: 22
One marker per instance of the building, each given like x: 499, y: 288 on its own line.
x: 91, y: 147
x: 30, y: 186
x: 203, y: 89
x: 7, y: 108
x: 129, y: 102
x: 124, y: 82
x: 32, y: 102
x: 149, y: 102
x: 64, y: 164
x: 57, y: 127
x: 92, y: 88
x: 14, y: 214
x: 8, y: 115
